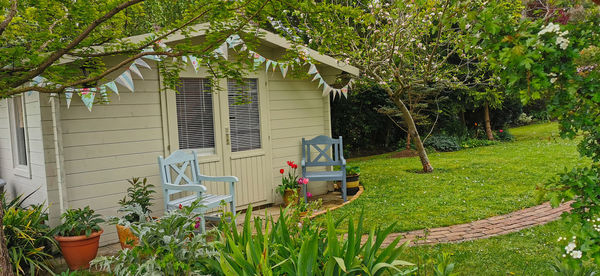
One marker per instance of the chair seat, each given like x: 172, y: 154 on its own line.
x: 326, y: 175
x: 208, y: 201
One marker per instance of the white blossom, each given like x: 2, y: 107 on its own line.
x: 576, y: 254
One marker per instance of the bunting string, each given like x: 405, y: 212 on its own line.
x: 125, y: 79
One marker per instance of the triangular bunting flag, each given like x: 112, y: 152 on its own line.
x: 221, y: 51
x: 134, y: 69
x: 244, y: 48
x: 194, y: 62
x: 142, y: 63
x: 312, y: 69
x: 317, y: 76
x: 234, y: 40
x: 68, y: 97
x: 125, y: 80
x: 113, y: 86
x: 274, y: 65
x: 284, y: 69
x: 321, y: 82
x: 267, y: 65
x: 184, y: 59
x: 326, y: 89
x: 87, y: 98
x: 104, y: 94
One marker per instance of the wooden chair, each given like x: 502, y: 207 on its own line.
x: 179, y: 182
x: 319, y: 157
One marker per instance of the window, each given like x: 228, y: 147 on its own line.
x: 18, y: 129
x: 244, y: 115
x: 195, y: 123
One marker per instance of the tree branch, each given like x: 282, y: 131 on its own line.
x: 9, y: 17
x: 58, y: 54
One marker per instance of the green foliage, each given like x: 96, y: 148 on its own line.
x: 352, y: 170
x: 283, y: 248
x: 473, y: 143
x: 78, y: 222
x: 503, y: 135
x: 28, y: 238
x: 169, y: 246
x: 140, y: 193
x: 443, y: 143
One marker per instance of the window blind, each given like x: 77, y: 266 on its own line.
x: 21, y: 148
x: 244, y: 115
x: 195, y: 123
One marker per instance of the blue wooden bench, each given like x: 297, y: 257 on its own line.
x: 179, y: 182
x: 316, y: 153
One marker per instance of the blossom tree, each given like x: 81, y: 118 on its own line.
x: 407, y: 47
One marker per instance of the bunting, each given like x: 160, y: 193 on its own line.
x: 125, y: 79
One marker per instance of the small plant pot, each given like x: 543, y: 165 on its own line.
x: 288, y: 194
x: 79, y: 250
x: 352, y: 183
x: 126, y: 237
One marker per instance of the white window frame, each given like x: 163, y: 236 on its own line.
x: 18, y: 169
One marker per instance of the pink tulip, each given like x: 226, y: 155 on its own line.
x: 305, y: 181
x: 309, y: 195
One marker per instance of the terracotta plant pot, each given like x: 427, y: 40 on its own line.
x: 126, y: 237
x: 287, y: 196
x: 79, y: 250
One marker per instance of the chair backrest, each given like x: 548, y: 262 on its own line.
x: 316, y: 151
x: 173, y: 169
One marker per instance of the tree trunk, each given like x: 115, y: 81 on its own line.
x: 412, y: 130
x: 5, y: 265
x: 488, y: 125
x: 408, y: 141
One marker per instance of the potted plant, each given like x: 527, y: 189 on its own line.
x: 352, y: 180
x: 79, y: 236
x: 136, y: 208
x: 290, y: 184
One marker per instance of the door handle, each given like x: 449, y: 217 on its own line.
x: 227, y: 136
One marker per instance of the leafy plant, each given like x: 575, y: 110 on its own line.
x: 28, y: 238
x: 140, y: 193
x: 291, y: 180
x: 352, y: 170
x: 169, y: 246
x: 285, y: 247
x: 504, y: 135
x: 78, y: 222
x: 443, y: 143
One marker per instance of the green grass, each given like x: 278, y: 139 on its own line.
x: 528, y: 252
x: 466, y: 185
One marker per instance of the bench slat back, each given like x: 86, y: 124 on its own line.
x: 173, y: 169
x: 322, y: 151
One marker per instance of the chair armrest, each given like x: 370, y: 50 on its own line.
x: 343, y: 161
x: 187, y: 187
x: 218, y: 178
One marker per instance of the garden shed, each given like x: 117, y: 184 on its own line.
x: 74, y: 157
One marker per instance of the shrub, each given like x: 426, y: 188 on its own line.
x: 524, y: 119
x: 140, y: 194
x: 28, y: 238
x: 473, y: 143
x: 443, y: 143
x: 169, y: 246
x: 78, y: 222
x: 503, y: 135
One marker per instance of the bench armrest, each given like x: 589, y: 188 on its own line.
x: 187, y: 187
x: 218, y: 178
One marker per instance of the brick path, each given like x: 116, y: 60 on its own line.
x: 485, y: 228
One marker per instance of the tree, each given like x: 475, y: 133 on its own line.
x: 67, y: 42
x: 407, y: 47
x: 551, y: 52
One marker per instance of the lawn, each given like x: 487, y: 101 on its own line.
x: 527, y: 252
x: 466, y: 185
